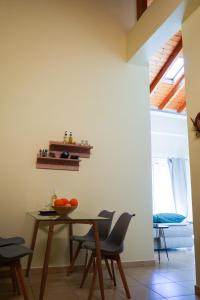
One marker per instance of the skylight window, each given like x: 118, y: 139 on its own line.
x: 175, y: 71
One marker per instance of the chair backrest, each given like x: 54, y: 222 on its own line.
x: 103, y: 225
x: 119, y: 230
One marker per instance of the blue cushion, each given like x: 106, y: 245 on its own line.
x: 168, y: 218
x: 155, y: 219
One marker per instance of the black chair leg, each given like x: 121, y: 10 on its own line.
x: 123, y: 277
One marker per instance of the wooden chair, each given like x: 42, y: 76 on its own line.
x: 104, y: 229
x: 110, y: 250
x: 10, y: 256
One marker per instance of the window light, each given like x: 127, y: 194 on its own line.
x: 175, y: 71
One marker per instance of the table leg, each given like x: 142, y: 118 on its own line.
x: 165, y: 244
x: 158, y: 238
x: 70, y: 244
x: 46, y: 261
x: 98, y: 259
x: 35, y: 231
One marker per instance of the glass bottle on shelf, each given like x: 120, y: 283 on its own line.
x: 65, y: 139
x: 53, y: 198
x: 70, y: 138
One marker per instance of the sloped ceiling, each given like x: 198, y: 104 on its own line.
x: 167, y: 96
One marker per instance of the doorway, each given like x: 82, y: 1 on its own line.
x: 171, y: 184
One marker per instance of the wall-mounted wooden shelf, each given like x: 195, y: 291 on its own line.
x: 57, y: 163
x: 75, y: 149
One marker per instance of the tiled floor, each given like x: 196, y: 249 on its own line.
x: 172, y: 280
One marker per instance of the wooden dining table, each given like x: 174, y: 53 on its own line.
x: 51, y: 222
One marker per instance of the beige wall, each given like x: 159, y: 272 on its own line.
x: 63, y: 67
x: 191, y: 43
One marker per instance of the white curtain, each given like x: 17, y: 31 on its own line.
x: 171, y: 186
x: 163, y: 200
x: 180, y: 181
x: 189, y: 191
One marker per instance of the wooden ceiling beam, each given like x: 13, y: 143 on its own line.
x: 182, y: 106
x: 166, y: 66
x: 173, y: 92
x: 179, y: 91
x: 141, y: 7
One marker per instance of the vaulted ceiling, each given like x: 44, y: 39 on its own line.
x: 167, y: 95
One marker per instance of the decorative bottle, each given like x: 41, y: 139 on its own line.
x: 53, y: 198
x: 70, y: 138
x: 65, y: 139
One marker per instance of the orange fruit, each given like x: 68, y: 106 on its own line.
x: 65, y: 200
x: 73, y: 202
x: 61, y: 202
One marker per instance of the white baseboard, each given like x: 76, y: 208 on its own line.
x: 63, y: 269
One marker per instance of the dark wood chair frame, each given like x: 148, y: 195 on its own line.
x: 17, y: 277
x: 103, y: 234
x: 110, y: 249
x: 111, y: 271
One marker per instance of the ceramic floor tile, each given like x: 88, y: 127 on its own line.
x: 12, y: 296
x: 188, y: 284
x: 130, y: 280
x: 189, y: 297
x: 143, y: 293
x: 168, y: 290
x: 149, y: 279
x: 111, y: 294
x: 173, y: 280
x: 180, y: 275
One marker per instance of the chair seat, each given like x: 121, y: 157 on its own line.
x: 11, y: 241
x: 82, y: 238
x: 107, y: 248
x: 13, y: 252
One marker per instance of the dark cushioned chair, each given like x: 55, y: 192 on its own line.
x: 104, y: 229
x: 110, y: 250
x: 10, y: 256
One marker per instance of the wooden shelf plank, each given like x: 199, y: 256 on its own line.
x: 57, y: 159
x: 74, y: 149
x: 78, y: 146
x: 57, y: 167
x: 57, y: 163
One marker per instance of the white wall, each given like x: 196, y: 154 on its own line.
x: 191, y: 48
x: 169, y: 135
x: 63, y: 67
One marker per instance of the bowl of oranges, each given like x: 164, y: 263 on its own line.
x: 64, y: 207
